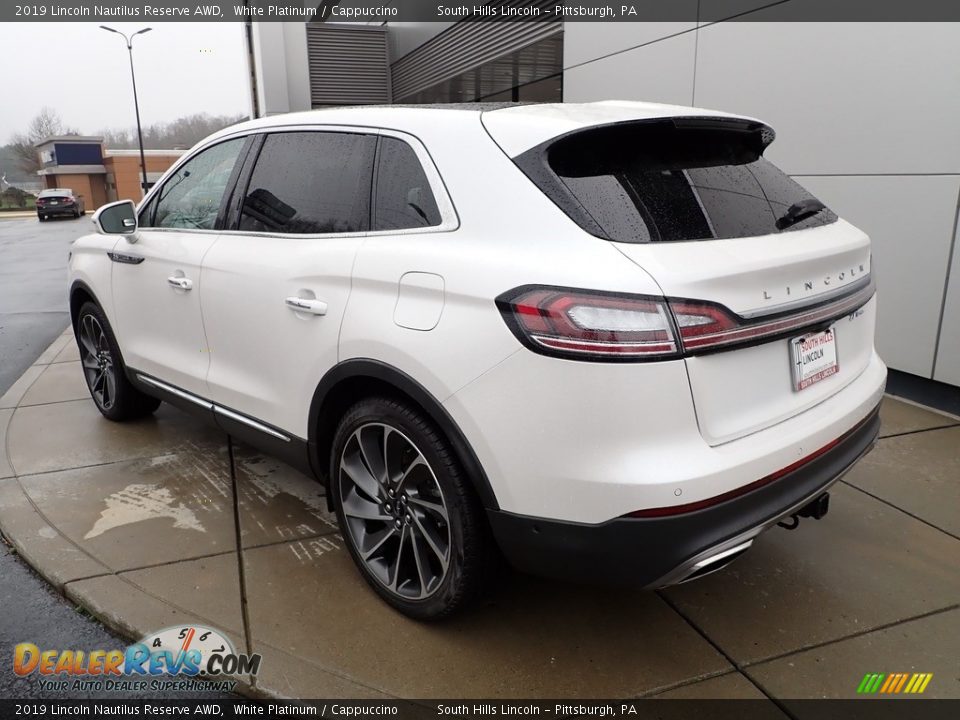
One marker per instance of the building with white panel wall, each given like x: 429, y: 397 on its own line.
x: 867, y: 117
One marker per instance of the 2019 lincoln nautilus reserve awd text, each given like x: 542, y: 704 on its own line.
x: 610, y: 341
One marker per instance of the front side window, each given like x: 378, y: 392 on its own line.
x: 310, y: 182
x: 145, y: 218
x: 403, y: 198
x: 191, y: 197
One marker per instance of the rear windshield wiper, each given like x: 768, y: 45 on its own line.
x: 799, y: 211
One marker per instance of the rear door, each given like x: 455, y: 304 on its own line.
x: 772, y: 292
x: 276, y: 285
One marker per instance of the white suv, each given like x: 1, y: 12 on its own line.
x: 610, y: 341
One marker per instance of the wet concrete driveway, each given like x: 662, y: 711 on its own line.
x: 151, y: 524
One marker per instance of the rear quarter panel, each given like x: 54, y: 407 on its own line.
x: 509, y: 234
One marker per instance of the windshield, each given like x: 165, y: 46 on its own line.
x: 672, y: 180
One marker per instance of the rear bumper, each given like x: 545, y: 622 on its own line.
x: 662, y: 551
x: 58, y: 209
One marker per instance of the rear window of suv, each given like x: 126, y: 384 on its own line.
x: 672, y: 180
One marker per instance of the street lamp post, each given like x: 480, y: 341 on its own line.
x: 136, y: 104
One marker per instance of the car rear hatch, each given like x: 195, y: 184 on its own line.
x: 771, y: 293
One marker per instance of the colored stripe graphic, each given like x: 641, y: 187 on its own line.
x: 894, y: 683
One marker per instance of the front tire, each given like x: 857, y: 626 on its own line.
x: 407, y: 512
x: 114, y: 395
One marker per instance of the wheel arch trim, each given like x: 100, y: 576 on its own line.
x: 78, y: 285
x: 357, y: 368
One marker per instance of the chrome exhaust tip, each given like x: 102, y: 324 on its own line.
x: 714, y: 562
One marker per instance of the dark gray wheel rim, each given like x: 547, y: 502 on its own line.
x: 396, y: 515
x: 97, y: 361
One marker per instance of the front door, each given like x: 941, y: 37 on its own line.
x: 156, y: 279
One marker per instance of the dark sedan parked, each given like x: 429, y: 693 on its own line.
x: 59, y: 201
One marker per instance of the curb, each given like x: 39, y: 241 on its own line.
x: 35, y: 541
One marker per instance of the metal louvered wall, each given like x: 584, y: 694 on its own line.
x: 349, y: 65
x: 464, y: 46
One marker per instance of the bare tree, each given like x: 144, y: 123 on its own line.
x: 181, y: 133
x: 46, y: 124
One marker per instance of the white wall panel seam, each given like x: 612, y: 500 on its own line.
x: 946, y: 289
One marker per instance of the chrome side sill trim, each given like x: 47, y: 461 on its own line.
x: 183, y: 394
x: 207, y: 405
x: 250, y: 423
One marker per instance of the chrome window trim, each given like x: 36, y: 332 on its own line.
x: 170, y: 172
x: 450, y: 220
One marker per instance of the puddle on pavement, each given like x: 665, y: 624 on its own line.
x: 185, y: 485
x: 192, y: 482
x: 282, y: 503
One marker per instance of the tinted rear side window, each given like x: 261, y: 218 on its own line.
x: 665, y: 181
x: 403, y: 198
x: 310, y: 182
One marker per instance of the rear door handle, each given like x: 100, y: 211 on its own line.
x: 314, y: 307
x: 181, y: 283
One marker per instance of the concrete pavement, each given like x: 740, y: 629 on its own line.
x: 33, y: 295
x: 32, y: 312
x: 153, y: 524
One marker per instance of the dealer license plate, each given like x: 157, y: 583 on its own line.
x: 54, y: 202
x: 814, y: 358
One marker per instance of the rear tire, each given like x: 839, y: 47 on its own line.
x: 76, y: 214
x: 114, y: 395
x: 407, y: 512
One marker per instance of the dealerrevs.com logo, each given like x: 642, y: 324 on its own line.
x: 894, y: 683
x: 177, y: 658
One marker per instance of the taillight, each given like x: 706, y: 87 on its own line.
x: 587, y: 324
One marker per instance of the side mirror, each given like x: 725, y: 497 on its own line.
x: 117, y: 218
x: 415, y: 196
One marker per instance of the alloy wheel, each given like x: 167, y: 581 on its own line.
x: 395, y: 511
x: 97, y: 361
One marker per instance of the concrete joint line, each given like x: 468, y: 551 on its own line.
x: 685, y: 683
x: 729, y: 658
x: 244, y: 611
x: 900, y: 509
x: 851, y: 636
x: 917, y: 432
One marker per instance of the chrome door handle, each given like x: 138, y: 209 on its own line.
x: 314, y: 307
x: 180, y: 283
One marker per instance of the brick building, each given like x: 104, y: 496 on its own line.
x: 95, y: 173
